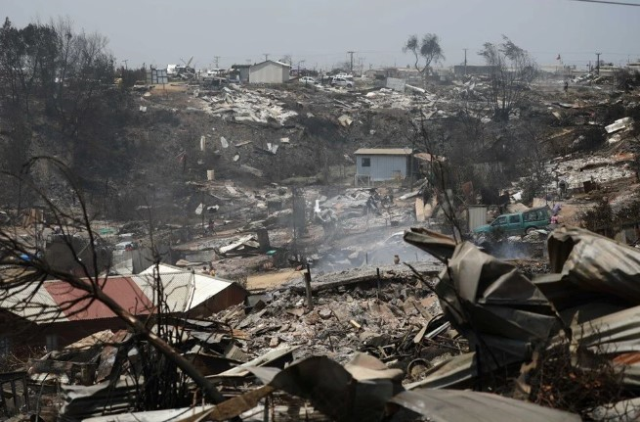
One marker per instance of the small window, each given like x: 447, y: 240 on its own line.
x: 499, y: 221
x: 366, y: 162
x: 514, y: 219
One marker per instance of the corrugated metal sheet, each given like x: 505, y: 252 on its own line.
x: 56, y: 300
x: 477, y: 217
x: 452, y: 405
x: 121, y: 289
x: 33, y: 304
x: 384, y: 151
x: 168, y: 415
x: 595, y: 263
x: 183, y: 290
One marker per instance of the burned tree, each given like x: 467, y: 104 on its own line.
x: 57, y: 97
x: 428, y: 48
x: 512, y: 70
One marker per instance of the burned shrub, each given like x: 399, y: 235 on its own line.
x: 599, y: 219
x: 614, y: 112
x: 592, y: 139
x: 627, y: 80
x: 558, y: 383
x: 167, y: 117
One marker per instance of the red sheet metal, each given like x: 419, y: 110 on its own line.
x: 123, y: 290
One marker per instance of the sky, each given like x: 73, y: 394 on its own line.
x: 320, y: 32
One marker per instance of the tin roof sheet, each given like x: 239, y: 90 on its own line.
x: 59, y: 301
x: 184, y: 290
x: 123, y: 290
x: 384, y: 151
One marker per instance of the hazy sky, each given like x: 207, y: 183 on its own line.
x: 321, y: 31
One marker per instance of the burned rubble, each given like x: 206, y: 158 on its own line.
x: 343, y: 248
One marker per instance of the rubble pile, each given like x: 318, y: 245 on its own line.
x: 242, y: 105
x: 490, y: 326
x: 325, y: 321
x: 381, y: 320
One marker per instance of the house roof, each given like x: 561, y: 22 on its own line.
x: 273, y: 62
x: 124, y: 290
x: 57, y: 301
x: 384, y: 151
x: 184, y: 290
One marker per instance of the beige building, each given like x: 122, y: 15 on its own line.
x: 269, y: 72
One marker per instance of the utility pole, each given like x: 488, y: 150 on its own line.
x: 266, y: 56
x: 598, y: 64
x: 465, y: 61
x: 300, y: 61
x: 217, y: 58
x: 351, y: 54
x: 125, y: 61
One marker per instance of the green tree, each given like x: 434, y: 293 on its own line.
x: 428, y: 49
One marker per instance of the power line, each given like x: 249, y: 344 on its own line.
x: 617, y: 3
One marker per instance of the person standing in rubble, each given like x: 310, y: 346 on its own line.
x: 566, y: 86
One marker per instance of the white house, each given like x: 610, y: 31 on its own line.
x: 381, y: 164
x: 269, y: 72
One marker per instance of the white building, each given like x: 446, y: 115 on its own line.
x: 269, y: 72
x: 382, y: 164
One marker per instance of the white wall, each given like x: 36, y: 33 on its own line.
x: 268, y: 73
x: 383, y: 167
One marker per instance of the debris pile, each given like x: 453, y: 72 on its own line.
x: 345, y: 345
x: 241, y: 105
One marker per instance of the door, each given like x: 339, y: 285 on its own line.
x: 499, y: 224
x: 515, y: 224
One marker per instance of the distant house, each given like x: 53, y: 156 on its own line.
x: 240, y: 73
x: 382, y: 164
x: 269, y: 72
x: 55, y: 314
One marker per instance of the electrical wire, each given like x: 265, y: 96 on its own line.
x: 616, y: 3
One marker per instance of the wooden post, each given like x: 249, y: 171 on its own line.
x: 265, y: 417
x: 378, y: 273
x: 3, y: 401
x: 25, y: 391
x: 307, y: 283
x: 15, y: 395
